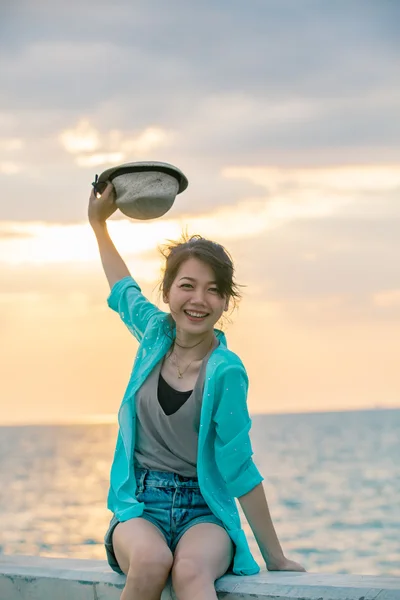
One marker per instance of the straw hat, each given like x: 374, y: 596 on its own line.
x: 144, y: 190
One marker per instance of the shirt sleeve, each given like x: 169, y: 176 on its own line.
x: 233, y: 450
x: 135, y: 310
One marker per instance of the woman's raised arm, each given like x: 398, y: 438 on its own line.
x: 98, y: 212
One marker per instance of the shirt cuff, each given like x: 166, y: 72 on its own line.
x: 249, y: 479
x: 117, y: 289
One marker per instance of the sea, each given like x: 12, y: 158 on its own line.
x: 332, y: 481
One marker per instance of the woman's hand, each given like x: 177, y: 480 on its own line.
x: 100, y: 209
x: 285, y: 565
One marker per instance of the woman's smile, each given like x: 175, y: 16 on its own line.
x: 195, y: 316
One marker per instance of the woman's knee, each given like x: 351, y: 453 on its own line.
x: 148, y: 572
x: 150, y: 563
x: 186, y: 569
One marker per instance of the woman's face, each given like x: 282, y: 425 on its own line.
x: 194, y: 290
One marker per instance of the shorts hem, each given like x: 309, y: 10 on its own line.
x: 109, y: 546
x: 154, y: 522
x: 196, y: 521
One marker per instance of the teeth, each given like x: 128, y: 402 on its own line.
x: 193, y: 314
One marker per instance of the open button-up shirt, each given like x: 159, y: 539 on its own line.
x: 225, y: 466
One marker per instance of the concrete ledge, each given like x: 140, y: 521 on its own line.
x: 37, y: 578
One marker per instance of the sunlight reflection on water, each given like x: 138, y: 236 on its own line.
x: 332, y: 481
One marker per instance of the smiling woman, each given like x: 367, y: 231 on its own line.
x: 183, y: 452
x: 198, y: 274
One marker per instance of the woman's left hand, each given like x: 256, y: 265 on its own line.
x: 285, y: 565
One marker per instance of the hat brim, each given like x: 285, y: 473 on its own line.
x: 138, y: 167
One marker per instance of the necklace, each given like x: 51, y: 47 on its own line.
x: 188, y: 347
x: 181, y: 373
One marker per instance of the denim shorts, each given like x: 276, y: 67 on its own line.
x: 173, y: 503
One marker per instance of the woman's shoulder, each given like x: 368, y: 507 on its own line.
x: 227, y: 359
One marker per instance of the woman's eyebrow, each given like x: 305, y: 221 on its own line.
x: 193, y: 279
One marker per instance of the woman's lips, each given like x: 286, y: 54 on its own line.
x: 195, y: 319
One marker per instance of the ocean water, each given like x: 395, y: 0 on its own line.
x: 332, y: 481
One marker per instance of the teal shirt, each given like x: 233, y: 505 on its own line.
x: 225, y: 467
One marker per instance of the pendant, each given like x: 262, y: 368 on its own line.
x: 180, y: 376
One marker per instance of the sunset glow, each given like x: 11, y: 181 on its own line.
x: 289, y: 139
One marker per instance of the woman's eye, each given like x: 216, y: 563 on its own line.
x: 189, y: 286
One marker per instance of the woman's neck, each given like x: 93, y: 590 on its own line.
x: 191, y: 348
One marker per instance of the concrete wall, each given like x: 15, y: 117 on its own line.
x: 37, y: 578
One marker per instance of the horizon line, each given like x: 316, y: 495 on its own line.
x: 112, y: 419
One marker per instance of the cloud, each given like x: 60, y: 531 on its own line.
x: 312, y: 238
x: 10, y: 145
x: 82, y: 138
x: 9, y: 168
x: 284, y: 196
x: 281, y: 85
x: 112, y: 147
x: 93, y: 160
x: 147, y: 53
x: 317, y: 259
x: 347, y: 180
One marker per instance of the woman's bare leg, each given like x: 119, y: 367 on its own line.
x: 143, y: 555
x: 202, y: 555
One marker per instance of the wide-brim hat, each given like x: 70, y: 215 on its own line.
x: 143, y: 190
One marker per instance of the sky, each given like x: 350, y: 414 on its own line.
x: 284, y: 116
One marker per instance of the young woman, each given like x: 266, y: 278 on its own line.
x: 183, y: 452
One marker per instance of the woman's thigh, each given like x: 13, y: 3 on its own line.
x: 205, y: 550
x: 140, y: 547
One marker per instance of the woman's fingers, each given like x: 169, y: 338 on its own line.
x: 101, y: 207
x: 102, y: 190
x: 108, y: 191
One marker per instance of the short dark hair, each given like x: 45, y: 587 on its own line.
x: 207, y: 251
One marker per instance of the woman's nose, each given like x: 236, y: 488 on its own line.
x: 199, y: 296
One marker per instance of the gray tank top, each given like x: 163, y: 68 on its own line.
x: 168, y: 442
